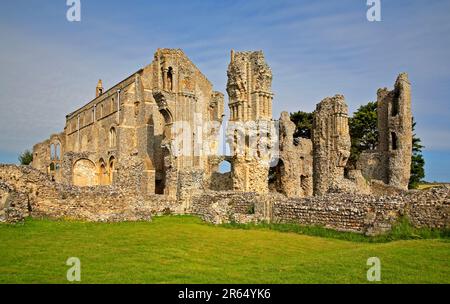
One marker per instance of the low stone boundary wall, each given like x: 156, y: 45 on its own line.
x: 362, y: 214
x: 344, y: 212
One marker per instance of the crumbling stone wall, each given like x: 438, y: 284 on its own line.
x: 331, y: 150
x: 230, y: 206
x: 14, y: 204
x: 26, y: 192
x: 293, y: 171
x: 366, y: 214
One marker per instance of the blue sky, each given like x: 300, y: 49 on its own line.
x: 49, y: 66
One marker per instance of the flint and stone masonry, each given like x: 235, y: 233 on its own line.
x: 139, y: 149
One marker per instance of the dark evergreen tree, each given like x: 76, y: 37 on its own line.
x: 303, y: 122
x: 26, y: 158
x: 417, y: 162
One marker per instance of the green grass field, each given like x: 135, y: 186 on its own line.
x: 183, y: 249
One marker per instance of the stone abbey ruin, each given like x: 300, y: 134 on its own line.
x: 151, y: 145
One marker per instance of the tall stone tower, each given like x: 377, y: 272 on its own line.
x: 391, y: 161
x: 331, y: 143
x: 395, y: 132
x: 250, y: 94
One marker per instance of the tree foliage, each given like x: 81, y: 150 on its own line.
x: 26, y: 158
x: 417, y: 162
x: 363, y: 130
x: 303, y: 122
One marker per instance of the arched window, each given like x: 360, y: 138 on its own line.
x: 112, y: 137
x: 84, y: 173
x: 102, y: 174
x: 111, y: 169
x: 58, y: 151
x: 52, y: 152
x: 170, y: 79
x: 275, y: 174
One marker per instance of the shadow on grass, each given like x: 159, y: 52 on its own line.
x: 402, y: 230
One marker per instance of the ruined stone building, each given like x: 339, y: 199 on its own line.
x: 150, y: 145
x: 123, y: 136
x: 156, y: 132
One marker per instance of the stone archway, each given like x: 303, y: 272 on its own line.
x: 103, y: 176
x: 221, y: 178
x: 84, y: 173
x: 166, y: 173
x: 276, y: 174
x: 112, y: 168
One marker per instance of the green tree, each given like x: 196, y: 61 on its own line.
x: 303, y: 122
x: 417, y: 162
x: 363, y: 131
x: 26, y: 158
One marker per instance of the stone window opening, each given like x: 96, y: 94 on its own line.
x: 159, y: 186
x: 57, y: 151
x: 394, y: 141
x: 303, y: 182
x: 395, y: 104
x: 103, y: 176
x: 224, y: 167
x: 111, y: 169
x: 84, y: 173
x: 275, y: 174
x: 170, y: 79
x: 52, y: 152
x: 221, y: 177
x: 112, y: 137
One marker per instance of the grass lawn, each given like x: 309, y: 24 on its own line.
x: 183, y: 249
x: 431, y: 185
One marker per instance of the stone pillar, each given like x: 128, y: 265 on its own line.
x: 249, y: 83
x: 331, y: 143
